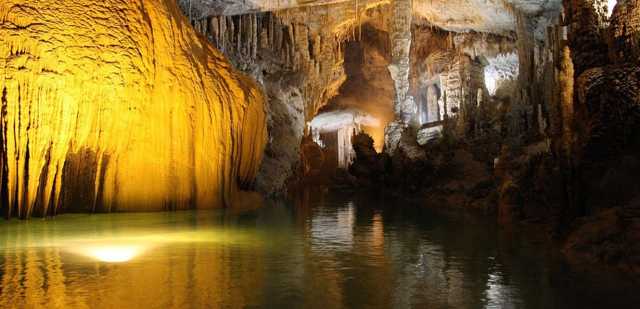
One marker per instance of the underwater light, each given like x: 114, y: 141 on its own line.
x: 114, y: 253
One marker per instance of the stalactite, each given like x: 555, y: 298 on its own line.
x: 147, y: 116
x: 238, y: 35
x: 255, y: 36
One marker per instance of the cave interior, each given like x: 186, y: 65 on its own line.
x: 526, y: 112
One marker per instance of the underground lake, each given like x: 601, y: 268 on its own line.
x: 326, y: 251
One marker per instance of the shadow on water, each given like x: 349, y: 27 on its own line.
x: 325, y: 250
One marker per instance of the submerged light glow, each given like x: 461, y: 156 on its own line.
x: 114, y: 253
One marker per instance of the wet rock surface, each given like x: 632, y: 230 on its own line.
x: 610, y: 238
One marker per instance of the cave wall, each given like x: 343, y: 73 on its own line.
x: 582, y: 85
x: 624, y: 32
x: 607, y: 94
x: 582, y: 28
x: 120, y: 105
x: 579, y: 92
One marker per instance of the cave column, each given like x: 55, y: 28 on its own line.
x: 404, y: 106
x: 433, y: 112
x: 586, y: 20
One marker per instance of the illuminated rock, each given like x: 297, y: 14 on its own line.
x: 404, y: 106
x: 451, y: 15
x: 119, y: 105
x: 501, y: 71
x: 392, y: 134
x: 428, y: 133
x: 295, y: 49
x: 297, y: 55
x: 345, y: 124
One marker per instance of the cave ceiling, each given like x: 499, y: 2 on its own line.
x: 491, y: 16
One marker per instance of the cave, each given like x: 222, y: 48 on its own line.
x: 363, y: 103
x: 294, y: 154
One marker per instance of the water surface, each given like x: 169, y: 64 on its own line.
x: 326, y: 251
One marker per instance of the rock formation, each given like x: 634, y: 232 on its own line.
x: 404, y: 105
x: 297, y: 55
x: 343, y: 125
x: 296, y: 52
x: 624, y: 32
x: 119, y: 105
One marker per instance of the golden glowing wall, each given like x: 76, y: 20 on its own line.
x: 119, y: 105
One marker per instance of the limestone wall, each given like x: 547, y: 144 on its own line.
x: 119, y: 105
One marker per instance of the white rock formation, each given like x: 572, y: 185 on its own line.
x: 428, y: 133
x: 501, y: 69
x: 404, y: 105
x: 493, y: 16
x: 334, y: 120
x: 345, y: 123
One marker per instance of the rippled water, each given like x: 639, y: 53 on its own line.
x: 324, y: 252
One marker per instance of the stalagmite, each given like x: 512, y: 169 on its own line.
x: 119, y: 106
x: 566, y: 83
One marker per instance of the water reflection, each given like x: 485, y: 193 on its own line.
x: 332, y: 229
x: 330, y: 252
x: 166, y: 261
